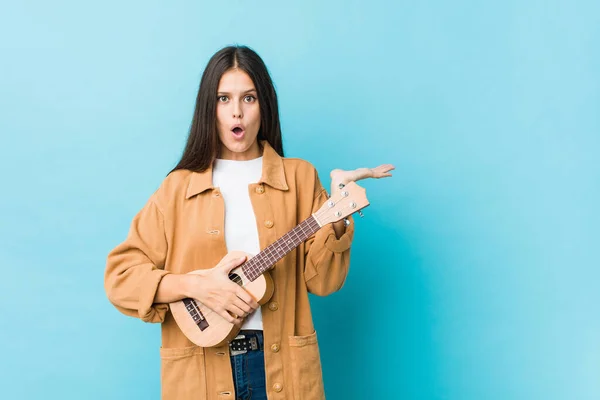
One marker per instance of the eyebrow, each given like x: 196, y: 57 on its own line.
x: 247, y: 91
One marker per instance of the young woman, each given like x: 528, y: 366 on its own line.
x: 234, y: 190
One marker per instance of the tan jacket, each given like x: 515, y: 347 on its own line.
x: 180, y: 229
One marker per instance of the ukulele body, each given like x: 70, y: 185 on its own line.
x: 206, y: 328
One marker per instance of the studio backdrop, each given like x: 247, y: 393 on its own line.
x: 475, y: 270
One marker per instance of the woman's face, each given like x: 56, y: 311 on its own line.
x: 238, y: 116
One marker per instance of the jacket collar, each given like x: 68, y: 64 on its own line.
x: 272, y: 173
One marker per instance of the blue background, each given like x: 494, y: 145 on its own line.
x: 475, y: 270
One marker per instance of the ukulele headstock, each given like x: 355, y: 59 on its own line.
x: 345, y: 201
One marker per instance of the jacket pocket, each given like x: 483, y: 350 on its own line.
x: 182, y: 372
x: 306, y: 367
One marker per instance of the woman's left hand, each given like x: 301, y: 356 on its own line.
x: 339, y: 176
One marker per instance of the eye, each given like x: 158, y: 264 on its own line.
x: 249, y: 99
x: 222, y: 99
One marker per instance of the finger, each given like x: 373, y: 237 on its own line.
x: 386, y: 167
x: 242, y: 294
x: 227, y: 317
x: 243, y: 305
x: 232, y: 319
x: 236, y: 311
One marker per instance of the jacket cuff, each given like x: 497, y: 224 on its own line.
x: 148, y: 311
x: 343, y: 243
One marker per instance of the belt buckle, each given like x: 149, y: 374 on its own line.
x: 253, y: 343
x: 236, y: 352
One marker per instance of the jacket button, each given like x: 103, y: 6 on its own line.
x: 273, y: 306
x: 260, y: 190
x: 278, y: 387
x: 275, y: 348
x: 269, y: 224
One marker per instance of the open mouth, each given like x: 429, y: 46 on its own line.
x: 238, y: 132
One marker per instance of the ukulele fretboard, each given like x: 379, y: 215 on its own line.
x: 264, y: 260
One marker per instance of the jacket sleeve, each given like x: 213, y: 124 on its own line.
x: 327, y: 258
x: 135, y: 267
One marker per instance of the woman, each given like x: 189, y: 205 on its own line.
x: 234, y: 190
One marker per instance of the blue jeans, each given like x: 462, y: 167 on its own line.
x: 249, y: 373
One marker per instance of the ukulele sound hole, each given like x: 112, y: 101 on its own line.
x: 236, y: 278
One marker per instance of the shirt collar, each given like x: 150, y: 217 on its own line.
x: 272, y: 173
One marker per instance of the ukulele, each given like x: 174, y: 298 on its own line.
x: 206, y: 328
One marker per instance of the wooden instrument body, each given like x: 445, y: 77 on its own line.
x: 219, y: 330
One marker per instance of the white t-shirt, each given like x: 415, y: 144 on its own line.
x: 232, y: 178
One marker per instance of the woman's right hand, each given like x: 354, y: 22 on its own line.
x: 214, y: 289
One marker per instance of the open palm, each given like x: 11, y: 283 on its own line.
x: 341, y: 176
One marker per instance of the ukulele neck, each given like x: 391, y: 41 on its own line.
x: 263, y: 261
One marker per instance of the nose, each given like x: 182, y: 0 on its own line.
x: 237, y: 110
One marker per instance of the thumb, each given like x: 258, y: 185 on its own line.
x: 234, y: 262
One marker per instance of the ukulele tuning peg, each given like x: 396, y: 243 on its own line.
x: 360, y: 213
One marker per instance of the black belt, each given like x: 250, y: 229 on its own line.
x: 244, y: 342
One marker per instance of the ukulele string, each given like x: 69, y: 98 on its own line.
x: 319, y: 213
x: 221, y: 320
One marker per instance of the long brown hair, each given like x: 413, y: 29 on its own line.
x: 203, y: 143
